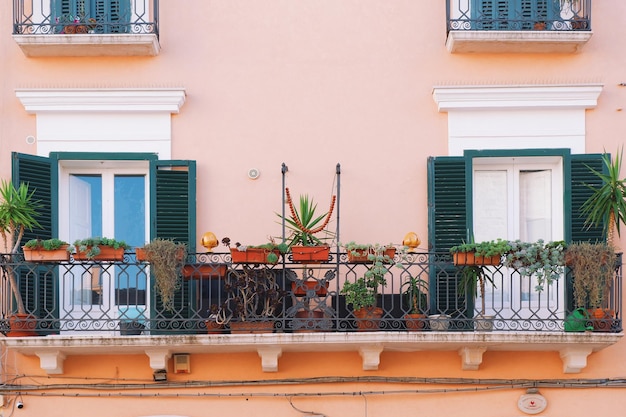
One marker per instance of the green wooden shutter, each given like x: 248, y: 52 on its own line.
x: 581, y: 179
x: 490, y: 14
x: 447, y: 226
x: 173, y: 204
x: 37, y: 172
x: 115, y: 14
x: 447, y: 209
x: 38, y: 285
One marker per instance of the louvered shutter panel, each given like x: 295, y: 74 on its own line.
x: 447, y: 227
x: 173, y: 202
x: 37, y: 172
x: 115, y: 15
x: 582, y: 178
x: 38, y: 285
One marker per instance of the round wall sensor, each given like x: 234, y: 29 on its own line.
x: 253, y: 173
x: 30, y: 140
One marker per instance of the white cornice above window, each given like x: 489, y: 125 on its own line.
x: 103, y: 119
x: 579, y: 96
x: 102, y: 100
x: 516, y: 117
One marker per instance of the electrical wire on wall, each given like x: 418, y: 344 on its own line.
x: 421, y: 386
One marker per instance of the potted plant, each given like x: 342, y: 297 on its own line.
x: 166, y: 259
x: 593, y: 270
x: 368, y: 253
x: 99, y: 249
x: 362, y: 294
x: 541, y: 260
x: 606, y: 207
x: 304, y: 224
x: 46, y: 250
x: 481, y: 253
x: 415, y: 293
x: 18, y: 212
x: 253, y: 296
x: 267, y: 253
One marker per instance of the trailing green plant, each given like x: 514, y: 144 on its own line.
x: 166, y: 259
x: 91, y: 246
x: 304, y: 223
x: 363, y: 292
x: 606, y: 207
x: 45, y: 244
x: 18, y: 212
x: 593, y: 270
x: 544, y: 261
x: 473, y: 277
x: 486, y: 249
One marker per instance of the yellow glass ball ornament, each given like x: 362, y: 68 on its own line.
x: 412, y: 241
x: 209, y: 241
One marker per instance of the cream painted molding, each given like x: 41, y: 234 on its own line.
x: 101, y: 100
x: 574, y: 96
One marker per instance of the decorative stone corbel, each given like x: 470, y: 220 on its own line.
x: 158, y: 358
x: 371, y: 357
x: 51, y: 361
x: 269, y: 358
x: 574, y: 358
x: 471, y: 357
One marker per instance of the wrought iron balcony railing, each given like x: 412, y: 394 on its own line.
x: 46, y: 17
x: 118, y: 298
x: 516, y: 15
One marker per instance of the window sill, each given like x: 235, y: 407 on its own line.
x: 574, y: 348
x: 546, y: 41
x: 88, y: 45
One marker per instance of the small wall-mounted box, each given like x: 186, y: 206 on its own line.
x: 182, y: 364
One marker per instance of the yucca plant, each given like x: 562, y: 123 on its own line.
x: 18, y: 212
x: 607, y: 205
x: 304, y: 223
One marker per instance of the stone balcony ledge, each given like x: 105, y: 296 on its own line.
x: 573, y: 348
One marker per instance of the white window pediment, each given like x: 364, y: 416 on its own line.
x: 516, y: 117
x: 106, y: 120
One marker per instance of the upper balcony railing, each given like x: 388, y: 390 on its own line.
x: 100, y: 28
x: 118, y: 298
x: 526, y: 26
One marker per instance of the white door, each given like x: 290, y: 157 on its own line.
x: 107, y: 203
x: 519, y: 198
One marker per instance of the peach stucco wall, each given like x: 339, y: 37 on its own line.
x: 313, y: 83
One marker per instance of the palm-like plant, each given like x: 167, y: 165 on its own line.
x: 18, y: 212
x: 304, y: 223
x: 607, y: 205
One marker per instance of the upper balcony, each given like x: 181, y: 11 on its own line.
x: 76, y: 28
x: 518, y: 26
x: 93, y: 307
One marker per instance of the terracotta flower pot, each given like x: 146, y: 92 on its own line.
x: 303, y: 288
x: 310, y: 254
x: 22, y: 325
x: 251, y: 256
x: 239, y: 327
x: 107, y: 253
x: 204, y: 271
x: 415, y: 322
x: 361, y: 255
x: 42, y: 255
x: 470, y: 259
x: 368, y: 318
